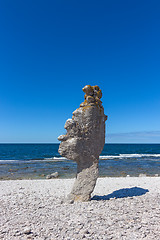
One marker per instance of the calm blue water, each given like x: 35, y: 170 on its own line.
x: 38, y: 160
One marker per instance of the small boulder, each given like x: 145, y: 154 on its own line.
x: 52, y: 175
x: 27, y: 230
x: 142, y: 175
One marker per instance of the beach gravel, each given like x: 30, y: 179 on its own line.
x: 121, y: 208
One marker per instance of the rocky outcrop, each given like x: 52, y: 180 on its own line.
x: 84, y: 142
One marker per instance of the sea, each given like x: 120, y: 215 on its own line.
x: 36, y: 161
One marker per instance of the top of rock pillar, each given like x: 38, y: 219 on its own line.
x: 93, y: 94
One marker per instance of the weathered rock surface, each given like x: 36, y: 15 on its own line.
x: 84, y: 141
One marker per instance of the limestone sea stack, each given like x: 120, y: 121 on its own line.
x: 84, y: 141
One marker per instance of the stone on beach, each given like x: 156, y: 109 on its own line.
x: 27, y: 230
x: 52, y: 175
x: 142, y: 175
x: 84, y: 141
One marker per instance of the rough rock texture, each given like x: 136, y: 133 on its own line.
x: 84, y: 142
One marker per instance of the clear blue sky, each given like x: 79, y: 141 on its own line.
x: 50, y: 49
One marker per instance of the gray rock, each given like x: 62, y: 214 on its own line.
x: 52, y: 175
x: 27, y: 230
x: 142, y: 175
x: 84, y: 142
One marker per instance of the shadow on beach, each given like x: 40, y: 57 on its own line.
x: 122, y: 193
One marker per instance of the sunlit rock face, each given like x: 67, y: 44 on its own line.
x: 84, y: 141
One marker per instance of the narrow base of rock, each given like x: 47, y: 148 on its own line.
x: 84, y: 183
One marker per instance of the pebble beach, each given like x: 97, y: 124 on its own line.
x: 121, y: 208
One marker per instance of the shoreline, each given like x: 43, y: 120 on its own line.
x: 64, y: 177
x: 120, y: 208
x: 37, y: 161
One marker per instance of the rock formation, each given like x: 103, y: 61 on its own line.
x: 84, y: 142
